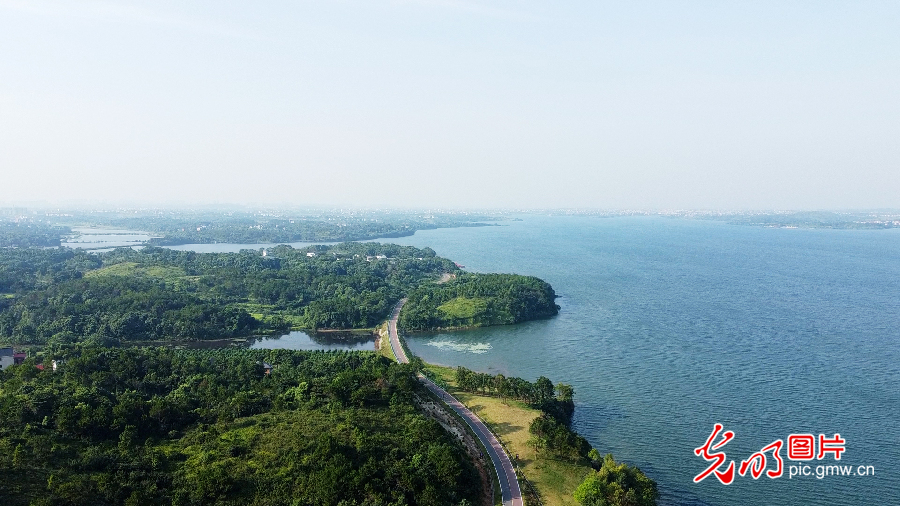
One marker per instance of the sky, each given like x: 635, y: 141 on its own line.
x: 452, y: 103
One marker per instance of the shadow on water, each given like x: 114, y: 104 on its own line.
x: 337, y: 337
x: 590, y: 418
x: 298, y: 340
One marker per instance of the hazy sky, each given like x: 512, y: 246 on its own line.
x: 463, y: 103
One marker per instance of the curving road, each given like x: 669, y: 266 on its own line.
x: 506, y: 473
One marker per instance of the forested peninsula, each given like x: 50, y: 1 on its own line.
x: 157, y: 294
x: 478, y: 300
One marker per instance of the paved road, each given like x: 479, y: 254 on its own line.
x: 392, y: 332
x: 506, y: 473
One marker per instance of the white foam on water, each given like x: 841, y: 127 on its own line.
x: 478, y: 348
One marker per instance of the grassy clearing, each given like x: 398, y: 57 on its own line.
x: 463, y: 307
x: 133, y: 269
x: 266, y: 312
x: 554, y: 480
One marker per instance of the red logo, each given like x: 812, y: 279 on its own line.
x: 799, y: 447
x: 835, y: 446
x: 728, y: 476
x: 757, y: 462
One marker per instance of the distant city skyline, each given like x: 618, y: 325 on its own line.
x: 451, y: 104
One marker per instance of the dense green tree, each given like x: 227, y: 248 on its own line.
x: 27, y: 234
x: 616, y: 484
x: 556, y: 438
x: 186, y: 427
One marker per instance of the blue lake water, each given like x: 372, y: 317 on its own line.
x: 298, y: 340
x: 104, y: 239
x: 669, y: 326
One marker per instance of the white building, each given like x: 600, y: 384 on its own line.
x: 6, y: 358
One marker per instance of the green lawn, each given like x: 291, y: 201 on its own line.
x: 168, y: 273
x: 463, y: 307
x: 265, y: 312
